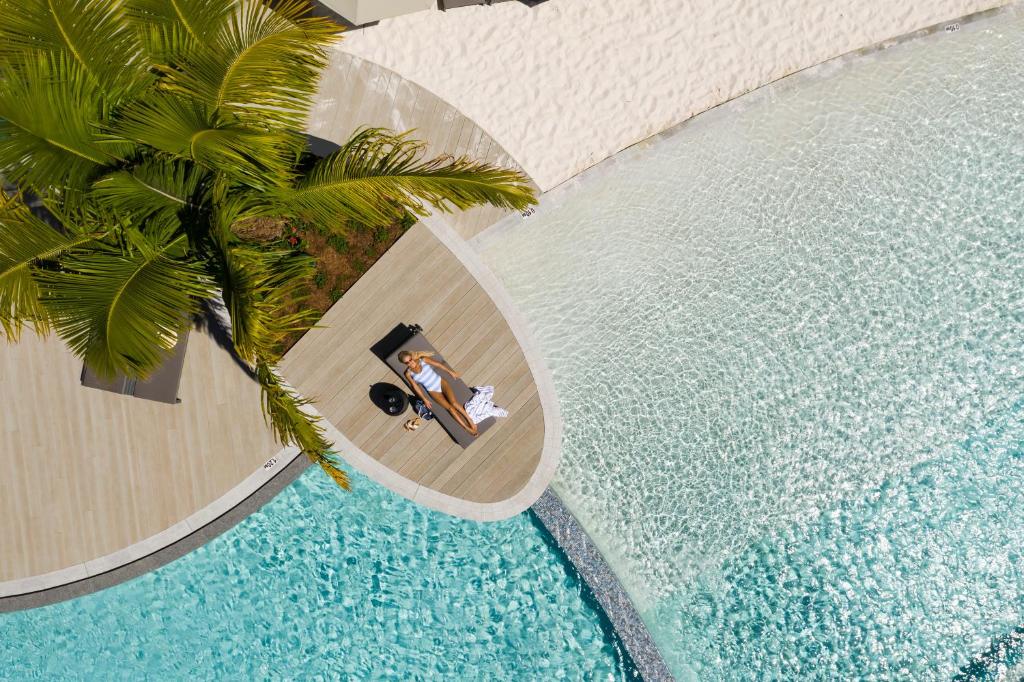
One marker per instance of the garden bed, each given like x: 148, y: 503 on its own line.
x: 342, y: 255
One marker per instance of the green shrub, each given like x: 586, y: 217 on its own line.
x: 380, y: 235
x: 320, y: 279
x: 406, y: 221
x: 338, y: 243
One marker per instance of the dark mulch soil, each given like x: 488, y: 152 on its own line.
x: 342, y: 256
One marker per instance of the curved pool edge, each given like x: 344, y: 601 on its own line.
x: 952, y: 25
x: 148, y: 555
x: 569, y: 535
x: 571, y: 538
x: 574, y: 543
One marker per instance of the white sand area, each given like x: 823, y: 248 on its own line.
x: 568, y: 83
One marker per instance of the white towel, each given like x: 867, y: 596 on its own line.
x: 481, y: 405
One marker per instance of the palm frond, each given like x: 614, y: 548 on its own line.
x: 263, y: 67
x: 25, y: 243
x: 258, y: 287
x: 49, y: 119
x: 171, y: 29
x: 376, y: 174
x: 93, y: 33
x: 122, y: 309
x: 156, y: 193
x: 292, y: 425
x: 187, y: 129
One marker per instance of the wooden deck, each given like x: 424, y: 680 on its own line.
x: 420, y: 281
x: 87, y: 473
x: 94, y: 480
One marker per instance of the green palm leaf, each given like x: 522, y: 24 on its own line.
x: 377, y: 172
x: 284, y: 413
x: 50, y: 114
x: 93, y: 33
x: 157, y: 194
x: 259, y: 286
x: 263, y: 67
x: 187, y: 129
x: 171, y: 29
x: 26, y: 242
x: 121, y: 310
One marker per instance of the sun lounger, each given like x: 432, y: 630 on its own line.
x: 161, y: 386
x: 417, y: 342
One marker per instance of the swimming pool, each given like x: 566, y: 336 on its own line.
x: 791, y: 364
x: 322, y: 584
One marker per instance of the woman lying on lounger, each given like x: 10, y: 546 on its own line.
x: 421, y: 376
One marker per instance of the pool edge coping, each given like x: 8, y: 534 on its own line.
x: 158, y: 550
x: 577, y: 546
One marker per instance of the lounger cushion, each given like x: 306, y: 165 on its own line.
x: 161, y: 386
x: 462, y: 392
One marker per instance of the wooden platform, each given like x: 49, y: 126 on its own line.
x: 420, y: 281
x: 87, y: 473
x: 92, y: 479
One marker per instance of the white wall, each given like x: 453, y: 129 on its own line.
x: 567, y: 83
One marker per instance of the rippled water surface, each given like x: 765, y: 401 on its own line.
x: 324, y: 585
x: 788, y: 342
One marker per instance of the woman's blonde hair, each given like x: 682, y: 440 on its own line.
x: 414, y: 355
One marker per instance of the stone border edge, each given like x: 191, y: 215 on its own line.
x: 157, y: 550
x: 588, y: 561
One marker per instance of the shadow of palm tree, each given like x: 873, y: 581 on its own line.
x: 213, y: 321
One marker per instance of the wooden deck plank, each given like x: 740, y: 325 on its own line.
x: 113, y: 470
x: 443, y: 472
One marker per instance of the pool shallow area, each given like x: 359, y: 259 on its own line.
x: 322, y: 584
x: 788, y: 343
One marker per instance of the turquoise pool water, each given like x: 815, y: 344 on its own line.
x: 791, y: 365
x: 324, y: 585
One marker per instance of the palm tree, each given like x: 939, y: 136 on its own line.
x: 150, y: 129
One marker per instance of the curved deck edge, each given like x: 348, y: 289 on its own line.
x: 552, y: 448
x: 219, y: 516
